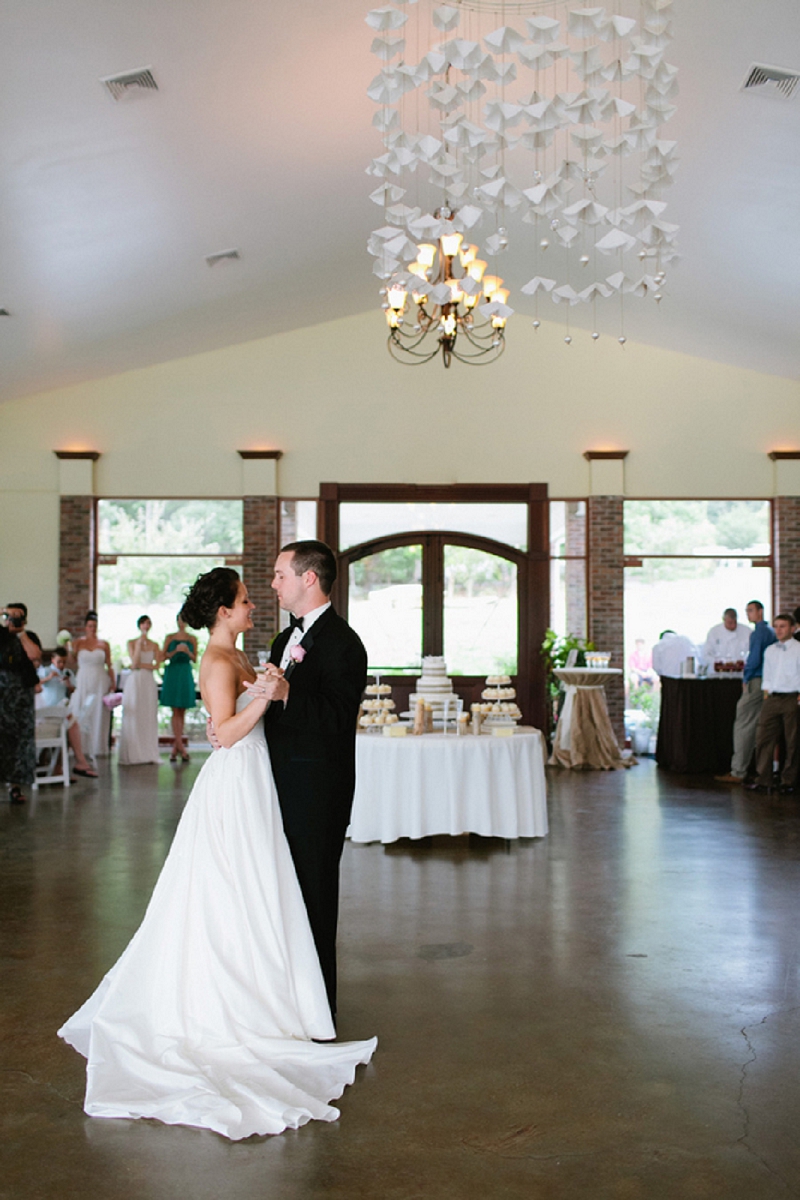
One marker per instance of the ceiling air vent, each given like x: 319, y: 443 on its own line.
x: 120, y: 85
x: 771, y: 81
x: 223, y: 256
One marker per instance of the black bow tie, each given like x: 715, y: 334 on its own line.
x: 295, y: 622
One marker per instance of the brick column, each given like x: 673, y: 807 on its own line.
x: 606, y: 580
x: 76, y: 562
x: 260, y: 549
x: 786, y: 513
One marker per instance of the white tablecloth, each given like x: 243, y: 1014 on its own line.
x: 419, y: 786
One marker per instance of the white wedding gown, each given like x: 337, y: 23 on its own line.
x: 207, y: 1017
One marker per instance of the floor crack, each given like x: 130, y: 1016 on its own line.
x: 743, y: 1139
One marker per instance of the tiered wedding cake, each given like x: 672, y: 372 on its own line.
x: 433, y: 687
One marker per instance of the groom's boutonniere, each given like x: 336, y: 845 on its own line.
x: 297, y: 653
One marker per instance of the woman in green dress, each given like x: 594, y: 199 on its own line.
x: 177, y: 689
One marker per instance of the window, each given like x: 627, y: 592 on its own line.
x: 688, y: 560
x: 568, y: 567
x: 149, y: 552
x: 363, y: 521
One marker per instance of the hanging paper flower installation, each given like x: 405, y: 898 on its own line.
x: 542, y: 134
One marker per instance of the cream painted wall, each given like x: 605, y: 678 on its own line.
x: 332, y: 399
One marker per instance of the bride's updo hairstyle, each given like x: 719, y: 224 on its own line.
x: 210, y: 592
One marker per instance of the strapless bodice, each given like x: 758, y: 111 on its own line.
x: 91, y: 658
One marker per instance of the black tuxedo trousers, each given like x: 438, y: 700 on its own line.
x: 311, y: 743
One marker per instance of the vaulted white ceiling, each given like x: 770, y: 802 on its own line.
x: 258, y: 138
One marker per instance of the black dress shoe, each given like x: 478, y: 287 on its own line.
x: 761, y: 788
x: 787, y: 789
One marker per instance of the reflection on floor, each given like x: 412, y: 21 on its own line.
x: 610, y: 1012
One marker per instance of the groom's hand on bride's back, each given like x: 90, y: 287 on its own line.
x: 214, y: 741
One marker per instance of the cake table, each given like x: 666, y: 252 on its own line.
x: 415, y: 787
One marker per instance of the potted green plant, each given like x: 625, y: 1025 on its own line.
x: 555, y: 652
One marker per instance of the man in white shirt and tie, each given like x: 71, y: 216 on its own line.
x: 781, y: 686
x: 728, y: 641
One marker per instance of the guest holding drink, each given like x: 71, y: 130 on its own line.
x: 178, y: 688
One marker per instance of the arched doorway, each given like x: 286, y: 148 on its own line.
x: 480, y: 602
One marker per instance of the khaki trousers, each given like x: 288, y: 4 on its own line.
x: 744, y: 730
x: 778, y: 713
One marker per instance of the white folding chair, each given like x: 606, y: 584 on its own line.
x: 51, y: 740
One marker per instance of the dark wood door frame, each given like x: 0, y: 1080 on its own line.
x: 533, y: 564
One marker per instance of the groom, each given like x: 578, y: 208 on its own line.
x: 311, y: 736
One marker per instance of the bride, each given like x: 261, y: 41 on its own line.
x: 207, y: 1019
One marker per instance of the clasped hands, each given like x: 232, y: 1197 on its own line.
x: 270, y: 684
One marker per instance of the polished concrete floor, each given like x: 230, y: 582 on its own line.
x: 612, y: 1011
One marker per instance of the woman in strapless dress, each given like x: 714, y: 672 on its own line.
x: 95, y: 677
x: 216, y: 1012
x: 138, y: 742
x: 177, y: 688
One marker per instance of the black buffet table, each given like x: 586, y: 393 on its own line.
x: 695, y: 730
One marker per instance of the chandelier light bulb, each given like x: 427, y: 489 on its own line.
x: 448, y: 324
x: 490, y: 285
x: 418, y: 268
x: 468, y: 254
x: 450, y: 244
x: 426, y: 253
x: 476, y: 269
x: 397, y: 298
x: 500, y: 295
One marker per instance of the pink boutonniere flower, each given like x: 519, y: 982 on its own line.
x: 297, y: 653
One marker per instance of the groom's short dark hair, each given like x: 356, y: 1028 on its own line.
x: 316, y: 557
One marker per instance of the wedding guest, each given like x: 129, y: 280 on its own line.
x: 748, y: 709
x: 780, y: 685
x: 640, y: 664
x: 57, y: 685
x: 18, y: 681
x: 728, y: 641
x: 138, y: 741
x: 16, y: 615
x: 796, y: 615
x: 178, y: 688
x: 670, y: 653
x: 95, y: 678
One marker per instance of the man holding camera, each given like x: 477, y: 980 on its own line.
x: 19, y: 656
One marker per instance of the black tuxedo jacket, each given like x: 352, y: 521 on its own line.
x: 312, y: 738
x: 312, y: 747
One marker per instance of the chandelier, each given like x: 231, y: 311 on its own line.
x: 445, y: 283
x: 537, y: 139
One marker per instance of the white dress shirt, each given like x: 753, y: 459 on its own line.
x: 722, y: 643
x: 670, y: 653
x: 782, y: 667
x: 297, y: 635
